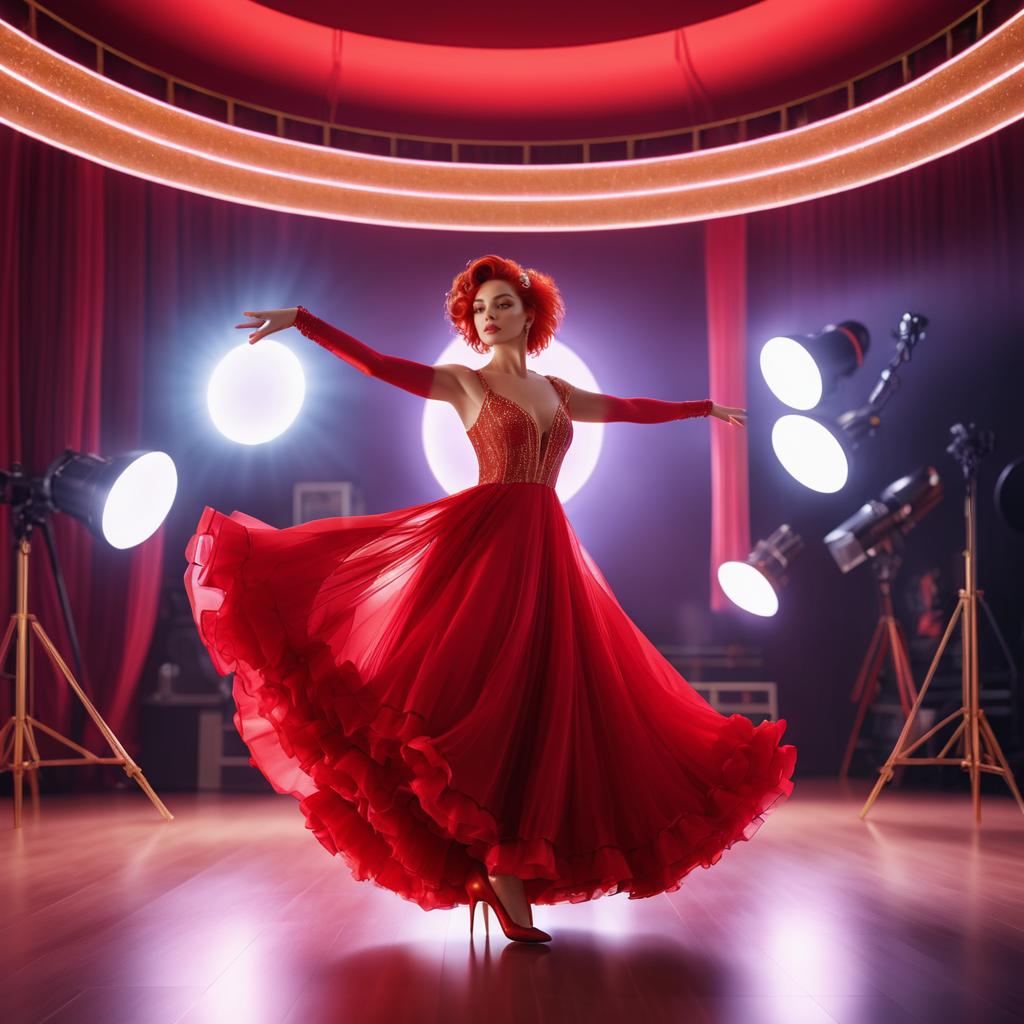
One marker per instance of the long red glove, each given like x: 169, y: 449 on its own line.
x: 403, y: 373
x: 650, y: 410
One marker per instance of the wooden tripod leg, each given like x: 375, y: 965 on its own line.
x: 997, y: 752
x: 33, y: 769
x: 13, y: 753
x: 7, y: 639
x: 868, y: 673
x: 956, y: 735
x: 901, y: 662
x: 9, y: 724
x: 885, y: 772
x: 904, y: 679
x: 131, y: 769
x: 972, y: 737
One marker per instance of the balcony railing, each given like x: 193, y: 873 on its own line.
x: 60, y: 35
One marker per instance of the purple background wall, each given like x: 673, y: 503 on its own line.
x: 944, y: 240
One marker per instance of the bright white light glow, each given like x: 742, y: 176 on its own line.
x: 256, y: 392
x: 450, y: 453
x: 813, y: 946
x: 810, y: 453
x: 791, y: 373
x: 747, y: 588
x: 139, y: 500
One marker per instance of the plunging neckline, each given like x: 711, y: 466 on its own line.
x: 541, y: 437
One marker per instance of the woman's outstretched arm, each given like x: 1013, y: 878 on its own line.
x: 592, y: 407
x: 403, y: 373
x: 419, y: 378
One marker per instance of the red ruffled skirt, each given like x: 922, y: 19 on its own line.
x: 456, y: 681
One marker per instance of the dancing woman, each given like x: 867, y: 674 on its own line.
x: 451, y: 690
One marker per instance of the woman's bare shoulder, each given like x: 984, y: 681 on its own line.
x: 456, y: 372
x: 453, y: 382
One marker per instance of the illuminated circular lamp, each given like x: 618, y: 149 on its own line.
x: 256, y: 391
x: 122, y: 500
x: 754, y: 584
x: 450, y: 453
x: 812, y: 452
x: 800, y: 368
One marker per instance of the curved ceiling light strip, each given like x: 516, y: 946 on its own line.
x: 60, y: 102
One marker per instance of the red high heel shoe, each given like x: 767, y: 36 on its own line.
x: 480, y: 890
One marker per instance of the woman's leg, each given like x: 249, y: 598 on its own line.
x: 511, y: 893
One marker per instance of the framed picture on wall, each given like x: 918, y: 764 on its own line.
x: 322, y: 500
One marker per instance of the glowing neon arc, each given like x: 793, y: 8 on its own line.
x: 492, y: 197
x: 239, y: 179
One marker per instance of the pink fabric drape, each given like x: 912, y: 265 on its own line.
x: 725, y: 268
x: 72, y: 376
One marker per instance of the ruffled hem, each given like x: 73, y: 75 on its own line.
x: 375, y: 788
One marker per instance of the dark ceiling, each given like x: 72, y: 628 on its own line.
x: 519, y: 24
x: 536, y: 69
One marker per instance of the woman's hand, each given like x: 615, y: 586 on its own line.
x: 269, y: 321
x: 726, y: 413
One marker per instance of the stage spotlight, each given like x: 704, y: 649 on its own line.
x: 256, y: 392
x: 812, y: 452
x: 123, y: 500
x: 754, y: 585
x: 902, y: 505
x: 800, y: 368
x: 977, y: 750
x: 817, y: 450
x: 874, y: 532
x: 1010, y: 495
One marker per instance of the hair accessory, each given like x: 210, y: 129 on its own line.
x: 524, y: 279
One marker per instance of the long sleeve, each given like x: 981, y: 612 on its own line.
x: 403, y: 373
x: 650, y: 410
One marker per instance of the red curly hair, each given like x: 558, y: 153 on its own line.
x: 542, y: 296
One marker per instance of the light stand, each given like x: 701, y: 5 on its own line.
x: 30, y: 508
x: 979, y: 750
x: 887, y: 638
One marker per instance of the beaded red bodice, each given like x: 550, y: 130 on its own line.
x: 508, y: 441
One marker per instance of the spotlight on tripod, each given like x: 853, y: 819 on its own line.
x: 755, y: 584
x: 978, y: 749
x: 817, y: 450
x: 122, y: 500
x: 1009, y: 495
x: 800, y: 368
x: 874, y: 532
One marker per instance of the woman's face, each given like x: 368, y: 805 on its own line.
x: 498, y: 312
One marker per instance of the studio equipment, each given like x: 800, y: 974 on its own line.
x: 122, y: 500
x: 800, y: 368
x: 875, y: 533
x: 978, y: 749
x: 1009, y: 495
x: 755, y: 583
x: 817, y: 450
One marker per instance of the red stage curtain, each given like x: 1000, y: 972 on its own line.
x: 954, y: 220
x: 725, y: 270
x: 72, y: 268
x: 93, y: 262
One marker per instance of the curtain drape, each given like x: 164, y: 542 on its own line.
x: 72, y: 262
x: 94, y: 264
x: 725, y: 274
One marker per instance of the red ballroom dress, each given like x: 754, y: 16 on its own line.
x: 456, y: 681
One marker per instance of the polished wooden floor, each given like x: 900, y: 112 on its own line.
x: 234, y: 913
